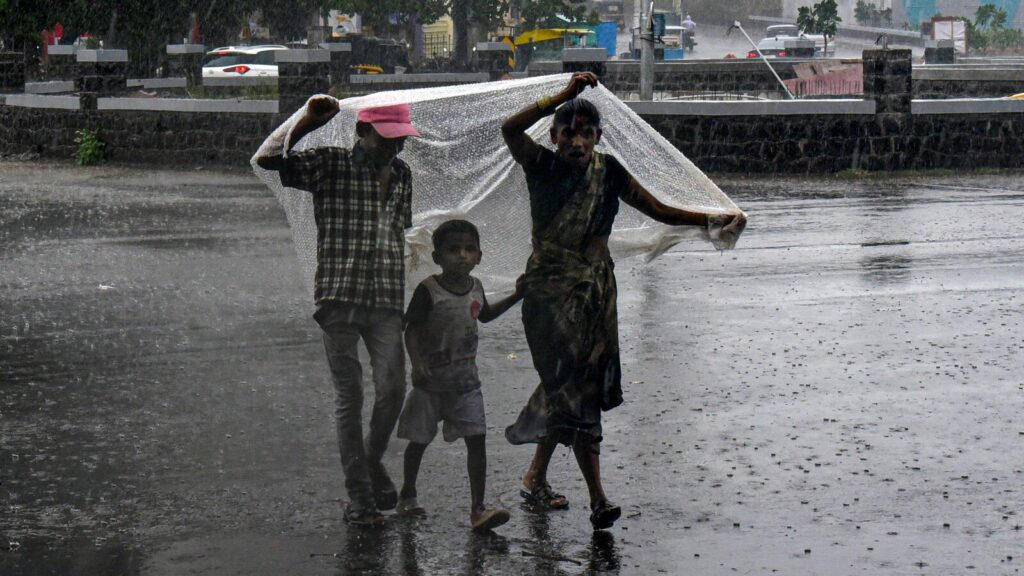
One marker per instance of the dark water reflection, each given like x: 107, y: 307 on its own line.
x: 886, y: 269
x: 72, y: 555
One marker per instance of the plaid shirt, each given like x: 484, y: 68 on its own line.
x: 360, y: 235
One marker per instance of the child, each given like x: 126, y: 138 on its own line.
x: 441, y: 337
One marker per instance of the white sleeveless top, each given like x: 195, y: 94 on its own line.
x: 449, y: 337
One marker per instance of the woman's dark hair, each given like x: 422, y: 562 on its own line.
x: 577, y: 107
x: 450, y: 227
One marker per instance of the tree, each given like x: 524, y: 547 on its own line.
x: 989, y: 29
x: 868, y: 14
x: 545, y: 13
x: 822, y: 18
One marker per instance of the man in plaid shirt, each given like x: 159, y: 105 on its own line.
x: 362, y: 202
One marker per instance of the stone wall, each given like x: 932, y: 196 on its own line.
x: 959, y: 81
x: 740, y: 143
x: 12, y: 71
x: 168, y: 138
x: 825, y: 143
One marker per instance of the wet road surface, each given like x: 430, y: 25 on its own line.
x: 841, y: 394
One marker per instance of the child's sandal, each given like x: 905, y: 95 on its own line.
x: 543, y: 497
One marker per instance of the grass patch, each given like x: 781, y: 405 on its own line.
x: 91, y: 150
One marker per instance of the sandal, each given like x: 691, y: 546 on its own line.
x: 410, y: 508
x: 362, y: 516
x: 488, y: 519
x: 604, y: 515
x: 544, y: 498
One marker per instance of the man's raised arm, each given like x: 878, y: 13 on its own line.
x: 319, y: 112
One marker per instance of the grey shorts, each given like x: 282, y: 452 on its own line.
x: 461, y: 412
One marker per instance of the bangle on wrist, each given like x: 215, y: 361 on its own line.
x: 545, y: 105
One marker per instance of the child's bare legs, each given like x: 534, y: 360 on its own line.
x: 413, y: 458
x: 481, y: 517
x: 476, y: 465
x: 590, y: 464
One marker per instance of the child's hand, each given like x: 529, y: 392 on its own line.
x: 520, y: 286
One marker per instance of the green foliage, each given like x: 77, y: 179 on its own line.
x: 990, y: 16
x: 989, y: 30
x: 822, y: 18
x: 869, y: 14
x: 544, y: 14
x: 91, y: 149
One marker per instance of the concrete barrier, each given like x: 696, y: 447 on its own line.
x: 157, y: 83
x: 43, y: 101
x: 189, y: 105
x: 428, y: 78
x: 241, y: 81
x: 968, y: 106
x: 51, y: 87
x: 753, y: 107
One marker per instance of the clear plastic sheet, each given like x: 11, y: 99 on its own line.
x: 462, y: 169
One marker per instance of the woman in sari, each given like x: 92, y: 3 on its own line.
x: 569, y: 312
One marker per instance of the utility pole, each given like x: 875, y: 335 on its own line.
x: 647, y: 53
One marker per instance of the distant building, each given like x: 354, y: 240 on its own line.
x: 913, y: 12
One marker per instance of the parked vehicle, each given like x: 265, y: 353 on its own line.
x: 781, y: 30
x: 547, y: 44
x: 241, y: 61
x: 775, y: 46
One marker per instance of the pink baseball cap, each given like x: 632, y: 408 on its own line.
x: 389, y: 121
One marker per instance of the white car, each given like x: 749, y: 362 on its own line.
x: 241, y: 61
x: 775, y: 47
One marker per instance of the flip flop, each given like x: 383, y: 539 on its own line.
x: 604, y: 515
x: 544, y: 498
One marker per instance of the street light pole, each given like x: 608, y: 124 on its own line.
x: 739, y: 27
x: 646, y: 54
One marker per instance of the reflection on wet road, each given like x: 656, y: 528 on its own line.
x: 840, y: 394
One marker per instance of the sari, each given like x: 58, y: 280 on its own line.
x: 570, y: 319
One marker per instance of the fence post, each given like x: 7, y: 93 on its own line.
x: 888, y: 81
x: 12, y: 72
x: 60, y: 62
x: 939, y: 52
x: 186, y: 60
x: 301, y: 74
x: 100, y: 73
x: 340, y: 58
x: 584, y: 60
